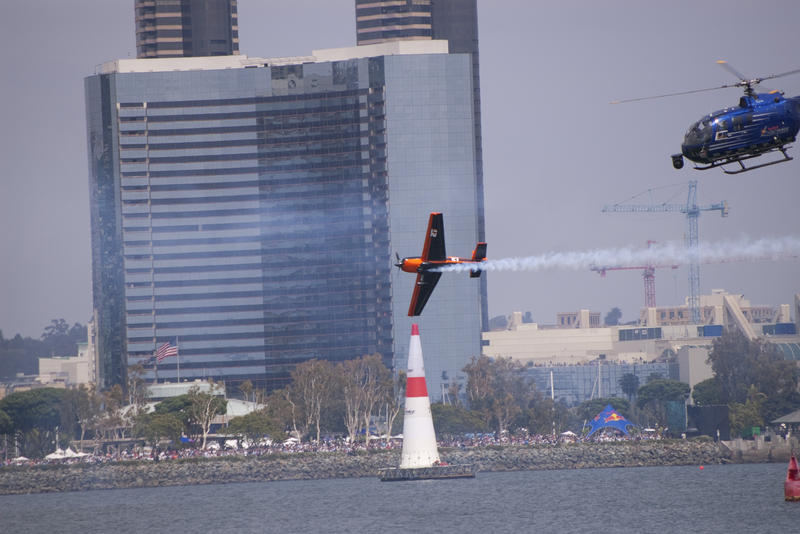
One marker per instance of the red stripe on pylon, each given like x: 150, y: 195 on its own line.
x: 415, y: 387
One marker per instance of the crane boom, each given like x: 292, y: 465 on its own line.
x: 692, y: 212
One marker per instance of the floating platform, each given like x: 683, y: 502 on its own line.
x: 393, y: 474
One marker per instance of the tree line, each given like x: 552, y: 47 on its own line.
x: 752, y: 378
x: 357, y: 397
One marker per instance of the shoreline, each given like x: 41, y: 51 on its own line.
x: 320, y: 465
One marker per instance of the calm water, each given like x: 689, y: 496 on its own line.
x: 729, y: 498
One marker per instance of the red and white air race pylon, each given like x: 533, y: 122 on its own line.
x: 419, y: 438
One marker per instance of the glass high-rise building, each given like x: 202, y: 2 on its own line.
x: 455, y: 21
x: 186, y: 28
x: 249, y: 210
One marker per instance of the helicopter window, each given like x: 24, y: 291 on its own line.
x: 700, y: 132
x: 722, y: 124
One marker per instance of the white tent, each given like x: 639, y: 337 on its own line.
x: 20, y: 460
x: 58, y: 454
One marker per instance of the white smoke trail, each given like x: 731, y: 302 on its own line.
x: 657, y: 255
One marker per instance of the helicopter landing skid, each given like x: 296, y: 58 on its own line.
x: 740, y: 159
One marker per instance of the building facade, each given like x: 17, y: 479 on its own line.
x: 574, y: 384
x: 454, y: 21
x: 69, y: 370
x: 247, y: 210
x: 186, y: 28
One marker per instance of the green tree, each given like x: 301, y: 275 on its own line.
x: 450, y: 419
x: 6, y: 425
x: 629, y: 383
x: 739, y: 363
x: 203, y: 407
x: 246, y: 387
x: 284, y: 410
x: 138, y: 391
x: 653, y: 376
x: 36, y: 416
x: 544, y: 416
x: 395, y: 399
x: 88, y: 410
x: 707, y: 393
x: 255, y: 426
x: 365, y: 384
x: 112, y: 423
x: 749, y: 414
x: 654, y: 396
x: 62, y: 340
x: 155, y: 426
x: 498, y: 389
x: 312, y: 389
x: 20, y: 355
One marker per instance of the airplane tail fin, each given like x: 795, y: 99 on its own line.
x: 479, y: 254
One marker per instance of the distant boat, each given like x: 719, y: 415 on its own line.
x: 791, y: 487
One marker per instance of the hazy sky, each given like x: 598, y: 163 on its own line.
x: 555, y: 151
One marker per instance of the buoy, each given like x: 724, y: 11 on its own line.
x: 791, y: 486
x: 701, y: 468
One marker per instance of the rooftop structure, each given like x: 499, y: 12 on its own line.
x: 186, y: 28
x: 582, y: 341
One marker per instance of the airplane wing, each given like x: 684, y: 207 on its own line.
x: 434, y: 250
x: 426, y: 281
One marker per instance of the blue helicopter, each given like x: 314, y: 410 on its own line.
x: 762, y: 123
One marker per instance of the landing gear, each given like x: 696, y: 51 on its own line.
x: 740, y: 159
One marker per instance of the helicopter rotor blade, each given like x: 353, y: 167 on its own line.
x: 744, y: 82
x: 755, y: 81
x: 674, y: 94
x: 771, y: 76
x: 725, y: 65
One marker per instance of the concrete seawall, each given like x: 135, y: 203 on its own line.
x: 299, y: 466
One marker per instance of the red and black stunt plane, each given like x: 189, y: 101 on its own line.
x: 428, y: 265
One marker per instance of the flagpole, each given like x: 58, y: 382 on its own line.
x: 178, y: 355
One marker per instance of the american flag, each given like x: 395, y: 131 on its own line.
x: 166, y: 350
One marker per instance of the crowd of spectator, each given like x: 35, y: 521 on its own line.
x: 243, y: 448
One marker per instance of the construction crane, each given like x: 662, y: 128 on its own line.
x: 649, y: 276
x: 692, y: 211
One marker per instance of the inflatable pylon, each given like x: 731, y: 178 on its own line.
x: 419, y: 438
x: 791, y: 486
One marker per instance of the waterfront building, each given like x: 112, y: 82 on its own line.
x: 574, y: 384
x: 186, y: 28
x: 577, y: 343
x: 69, y: 370
x: 248, y: 210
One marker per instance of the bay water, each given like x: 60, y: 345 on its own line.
x: 717, y: 498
